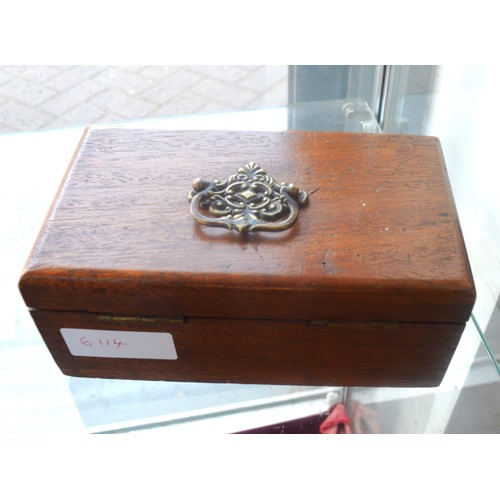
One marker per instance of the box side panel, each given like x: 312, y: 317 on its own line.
x: 258, y: 352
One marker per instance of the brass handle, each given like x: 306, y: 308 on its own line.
x: 247, y: 201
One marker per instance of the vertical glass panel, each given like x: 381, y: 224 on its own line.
x: 409, y: 98
x: 331, y: 83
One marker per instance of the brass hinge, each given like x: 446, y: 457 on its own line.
x: 356, y: 324
x: 145, y: 319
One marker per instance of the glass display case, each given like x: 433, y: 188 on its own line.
x: 38, y: 398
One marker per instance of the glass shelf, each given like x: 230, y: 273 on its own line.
x: 38, y: 398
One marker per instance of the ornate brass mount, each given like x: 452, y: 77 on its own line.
x: 247, y: 201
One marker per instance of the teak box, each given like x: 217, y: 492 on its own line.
x: 370, y: 287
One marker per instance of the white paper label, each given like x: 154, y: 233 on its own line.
x: 119, y: 344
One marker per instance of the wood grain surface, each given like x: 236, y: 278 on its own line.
x: 379, y: 240
x: 269, y: 352
x: 377, y: 255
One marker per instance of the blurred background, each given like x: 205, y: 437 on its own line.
x: 49, y: 97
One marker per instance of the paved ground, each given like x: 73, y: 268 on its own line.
x: 49, y: 97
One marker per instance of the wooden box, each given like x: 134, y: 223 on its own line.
x: 370, y: 287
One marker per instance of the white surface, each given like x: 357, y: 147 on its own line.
x: 119, y: 344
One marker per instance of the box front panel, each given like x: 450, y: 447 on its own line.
x: 249, y: 351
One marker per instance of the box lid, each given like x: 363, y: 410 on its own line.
x: 378, y: 241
